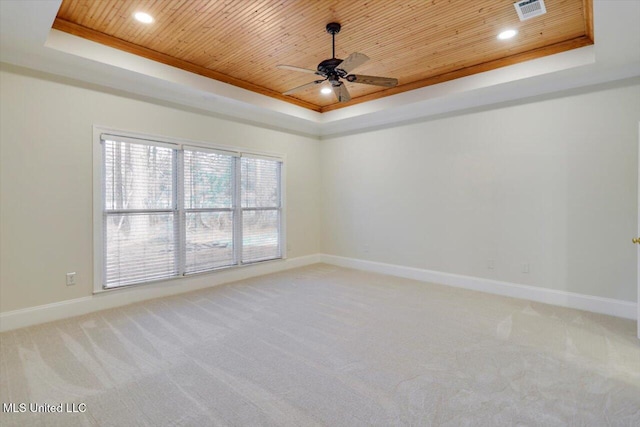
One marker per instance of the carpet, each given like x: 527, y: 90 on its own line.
x: 324, y: 346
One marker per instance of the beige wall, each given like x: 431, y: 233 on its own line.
x: 551, y: 183
x: 46, y: 178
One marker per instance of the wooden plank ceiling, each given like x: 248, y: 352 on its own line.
x: 241, y: 41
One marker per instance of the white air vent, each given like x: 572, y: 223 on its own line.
x: 528, y: 9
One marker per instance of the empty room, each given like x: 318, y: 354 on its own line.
x: 319, y: 213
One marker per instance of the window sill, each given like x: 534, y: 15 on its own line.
x: 168, y: 280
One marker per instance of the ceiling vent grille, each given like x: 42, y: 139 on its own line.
x: 528, y: 9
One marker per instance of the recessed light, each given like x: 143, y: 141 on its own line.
x: 326, y: 90
x: 145, y: 18
x: 507, y: 34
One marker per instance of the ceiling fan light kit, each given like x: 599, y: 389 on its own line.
x: 334, y: 70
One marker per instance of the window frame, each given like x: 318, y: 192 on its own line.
x: 179, y: 144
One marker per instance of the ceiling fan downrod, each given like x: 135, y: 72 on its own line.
x: 333, y: 28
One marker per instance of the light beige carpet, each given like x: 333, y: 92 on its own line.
x: 328, y: 346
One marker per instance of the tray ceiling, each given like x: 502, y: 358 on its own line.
x: 240, y: 42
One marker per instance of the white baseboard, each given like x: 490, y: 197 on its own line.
x: 60, y: 310
x: 612, y: 307
x: 64, y: 309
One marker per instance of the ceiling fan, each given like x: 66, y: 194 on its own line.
x: 335, y: 69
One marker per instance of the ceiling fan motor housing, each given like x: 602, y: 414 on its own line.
x: 328, y: 67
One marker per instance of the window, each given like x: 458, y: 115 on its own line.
x: 170, y: 210
x: 260, y: 209
x: 209, y: 217
x: 140, y: 219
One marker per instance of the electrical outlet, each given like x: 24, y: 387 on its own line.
x: 71, y: 278
x: 490, y: 264
x: 525, y: 268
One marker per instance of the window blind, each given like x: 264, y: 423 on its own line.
x: 208, y: 210
x: 261, y: 209
x: 170, y: 210
x: 139, y: 217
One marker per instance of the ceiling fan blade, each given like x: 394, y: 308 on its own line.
x: 353, y: 61
x: 292, y: 68
x: 372, y: 80
x: 341, y: 93
x: 303, y: 87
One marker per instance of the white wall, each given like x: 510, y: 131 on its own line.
x: 548, y: 182
x: 46, y: 174
x: 551, y: 183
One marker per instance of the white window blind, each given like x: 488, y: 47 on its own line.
x: 208, y: 210
x: 261, y: 209
x: 139, y: 218
x: 171, y: 210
